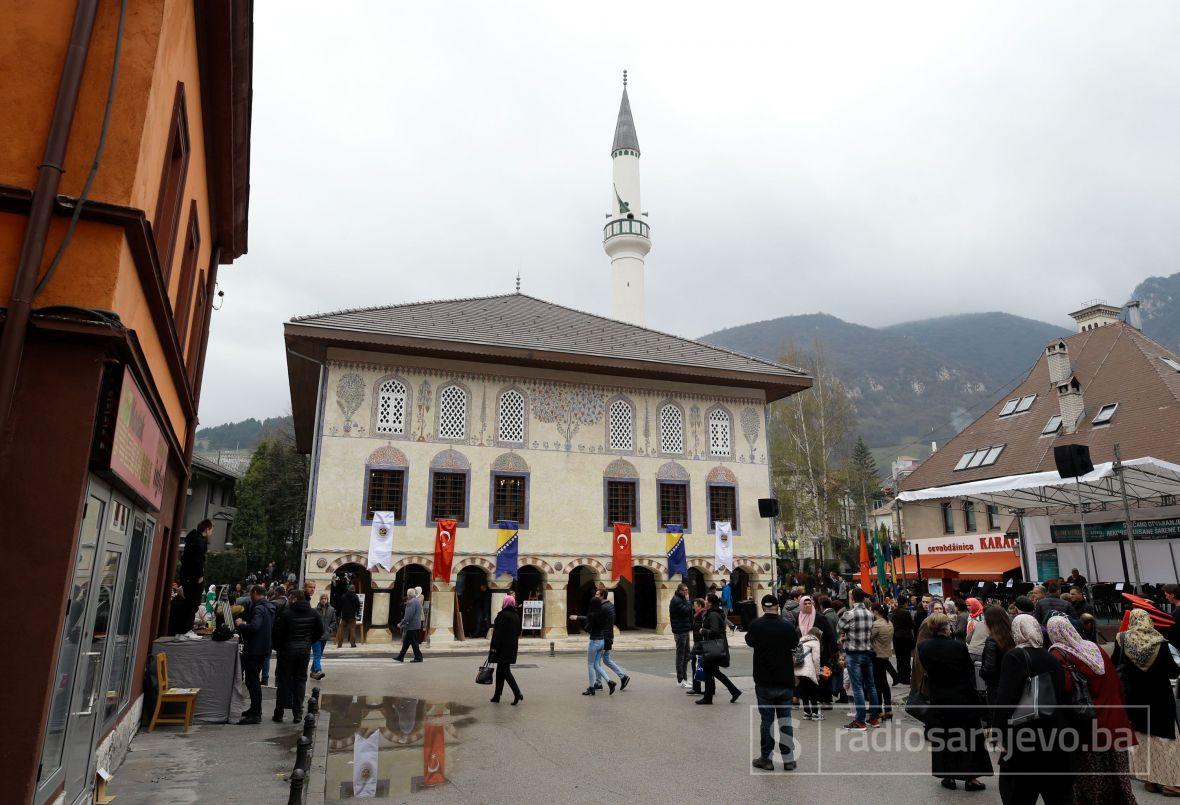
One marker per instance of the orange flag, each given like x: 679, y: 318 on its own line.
x: 866, y: 578
x: 434, y: 753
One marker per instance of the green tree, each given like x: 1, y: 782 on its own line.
x: 272, y: 501
x: 862, y: 482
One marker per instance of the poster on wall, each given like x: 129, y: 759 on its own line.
x: 934, y: 587
x: 532, y: 615
x: 360, y: 610
x: 129, y: 447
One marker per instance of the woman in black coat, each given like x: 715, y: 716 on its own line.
x: 714, y: 627
x: 999, y: 642
x: 958, y: 750
x: 1147, y: 669
x: 1031, y: 763
x: 505, y: 640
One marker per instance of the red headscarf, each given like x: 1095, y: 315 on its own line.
x: 975, y: 607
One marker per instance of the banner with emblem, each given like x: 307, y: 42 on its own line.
x: 364, y: 765
x: 508, y: 548
x: 620, y: 563
x: 434, y: 752
x: 677, y: 558
x: 444, y: 549
x: 381, y: 540
x: 723, y: 551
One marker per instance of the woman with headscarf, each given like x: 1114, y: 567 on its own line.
x: 1032, y: 761
x: 505, y: 641
x: 1102, y: 768
x: 958, y: 617
x: 977, y: 629
x: 954, y: 727
x: 1147, y: 669
x: 809, y: 674
x: 811, y: 617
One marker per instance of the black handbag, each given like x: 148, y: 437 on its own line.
x: 917, y: 706
x: 1038, y: 700
x: 715, y: 650
x: 484, y: 675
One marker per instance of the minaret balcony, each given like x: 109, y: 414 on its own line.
x: 622, y: 227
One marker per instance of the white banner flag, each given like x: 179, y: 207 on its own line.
x: 364, y: 765
x: 723, y: 554
x: 381, y: 540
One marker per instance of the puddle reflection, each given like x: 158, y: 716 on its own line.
x: 390, y: 746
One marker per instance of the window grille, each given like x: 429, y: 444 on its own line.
x: 385, y: 492
x: 391, y: 408
x: 449, y: 498
x: 673, y: 505
x: 620, y: 503
x: 508, y: 498
x: 671, y: 430
x: 512, y: 420
x: 622, y: 428
x: 452, y: 413
x: 719, y: 440
x: 722, y: 504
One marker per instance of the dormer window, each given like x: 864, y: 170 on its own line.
x: 983, y: 457
x: 1105, y: 414
x: 1052, y: 426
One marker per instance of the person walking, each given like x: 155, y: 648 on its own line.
x: 680, y: 619
x: 959, y: 750
x: 727, y: 598
x: 856, y: 637
x: 608, y: 641
x: 328, y: 618
x: 1147, y: 669
x: 903, y: 637
x: 350, y: 607
x: 504, y: 644
x: 699, y: 608
x: 714, y: 627
x: 411, y: 625
x: 1000, y: 640
x: 256, y: 636
x: 1033, y: 762
x: 882, y: 642
x: 773, y: 639
x: 594, y: 623
x: 1103, y: 771
x: 296, y: 630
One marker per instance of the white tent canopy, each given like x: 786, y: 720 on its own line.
x: 1147, y: 480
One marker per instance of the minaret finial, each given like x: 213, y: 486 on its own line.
x: 624, y: 79
x: 518, y: 281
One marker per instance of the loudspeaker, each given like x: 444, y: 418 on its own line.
x: 768, y: 507
x: 1072, y: 460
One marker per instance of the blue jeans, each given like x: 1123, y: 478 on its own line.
x: 317, y: 656
x: 594, y: 661
x: 859, y: 665
x: 775, y: 703
x: 611, y: 664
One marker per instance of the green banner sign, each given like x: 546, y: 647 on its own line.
x: 1112, y: 532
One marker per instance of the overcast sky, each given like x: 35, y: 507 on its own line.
x: 880, y: 162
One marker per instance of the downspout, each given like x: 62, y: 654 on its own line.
x: 12, y: 338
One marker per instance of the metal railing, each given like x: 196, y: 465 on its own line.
x: 626, y: 226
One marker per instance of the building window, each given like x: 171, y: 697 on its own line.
x: 621, y: 425
x: 391, y: 407
x: 510, y: 499
x: 671, y: 429
x: 1105, y: 414
x: 622, y: 504
x: 1171, y: 362
x: 188, y: 273
x: 385, y: 492
x: 948, y: 519
x: 969, y: 514
x: 723, y: 505
x: 511, y: 421
x: 993, y: 517
x: 1025, y: 403
x: 452, y: 413
x: 196, y: 340
x: 448, y: 496
x: 1052, y: 426
x: 991, y: 455
x: 169, y: 203
x: 673, y: 504
x: 1009, y: 407
x: 719, y: 433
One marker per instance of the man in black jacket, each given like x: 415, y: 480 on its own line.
x: 192, y: 575
x: 903, y: 637
x: 298, y: 627
x: 774, y: 639
x: 680, y: 618
x: 350, y: 607
x: 256, y: 636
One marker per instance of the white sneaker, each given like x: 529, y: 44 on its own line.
x: 683, y: 684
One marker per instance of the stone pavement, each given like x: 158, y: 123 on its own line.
x: 637, y: 640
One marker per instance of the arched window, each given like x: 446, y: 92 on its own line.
x: 719, y: 433
x: 621, y: 424
x: 512, y: 417
x: 452, y: 413
x: 671, y: 429
x: 391, y: 407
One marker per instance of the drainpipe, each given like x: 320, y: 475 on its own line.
x: 12, y: 338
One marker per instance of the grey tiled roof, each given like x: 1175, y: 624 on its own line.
x: 525, y: 322
x: 625, y: 136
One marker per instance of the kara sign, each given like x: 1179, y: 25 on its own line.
x: 129, y: 446
x: 979, y: 543
x: 1111, y: 532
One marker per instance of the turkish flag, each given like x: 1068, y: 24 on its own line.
x: 620, y: 563
x: 444, y: 549
x: 434, y: 753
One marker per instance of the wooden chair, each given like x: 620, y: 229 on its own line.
x: 186, y: 696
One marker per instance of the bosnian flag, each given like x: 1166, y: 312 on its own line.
x: 444, y: 550
x: 620, y: 563
x: 508, y: 548
x: 677, y: 558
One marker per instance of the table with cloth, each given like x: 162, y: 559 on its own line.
x: 214, y: 667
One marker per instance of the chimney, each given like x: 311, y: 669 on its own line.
x: 1134, y: 316
x: 1058, y: 357
x: 1069, y: 398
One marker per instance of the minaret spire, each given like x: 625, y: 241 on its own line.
x: 626, y: 238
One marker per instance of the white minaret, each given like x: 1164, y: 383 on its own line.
x: 626, y: 237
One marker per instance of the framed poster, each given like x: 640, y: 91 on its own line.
x: 532, y: 615
x: 934, y: 587
x: 360, y: 612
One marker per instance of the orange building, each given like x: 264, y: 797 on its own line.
x: 102, y: 346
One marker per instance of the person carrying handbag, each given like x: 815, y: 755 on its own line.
x: 505, y: 642
x: 715, y: 651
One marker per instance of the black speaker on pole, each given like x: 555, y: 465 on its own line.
x: 1072, y: 460
x: 768, y: 507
